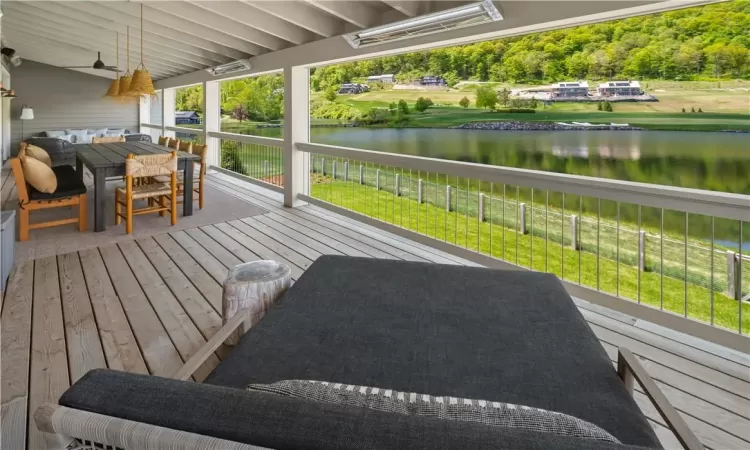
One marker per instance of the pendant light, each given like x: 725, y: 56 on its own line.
x: 141, y: 83
x: 114, y: 87
x: 125, y: 79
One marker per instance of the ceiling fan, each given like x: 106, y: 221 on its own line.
x: 98, y: 64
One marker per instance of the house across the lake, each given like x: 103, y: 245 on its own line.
x: 353, y: 88
x: 386, y: 78
x: 430, y: 80
x: 186, y: 117
x: 568, y: 89
x: 610, y: 88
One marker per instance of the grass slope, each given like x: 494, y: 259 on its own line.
x: 585, y: 268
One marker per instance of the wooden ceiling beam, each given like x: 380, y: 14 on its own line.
x: 200, y: 17
x: 260, y: 20
x: 302, y: 15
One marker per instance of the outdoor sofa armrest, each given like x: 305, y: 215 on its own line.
x: 630, y: 370
x: 197, y: 360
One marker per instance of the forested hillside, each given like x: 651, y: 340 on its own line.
x: 705, y: 42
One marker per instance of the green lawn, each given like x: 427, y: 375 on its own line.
x: 537, y: 252
x: 724, y: 108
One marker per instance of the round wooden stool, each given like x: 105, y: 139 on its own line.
x: 253, y: 286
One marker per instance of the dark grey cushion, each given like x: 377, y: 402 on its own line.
x: 509, y: 336
x: 273, y: 421
x: 69, y: 184
x: 137, y: 138
x: 61, y: 152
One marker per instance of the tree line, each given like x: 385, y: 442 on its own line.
x: 706, y: 42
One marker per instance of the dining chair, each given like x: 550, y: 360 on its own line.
x: 201, y: 150
x: 174, y: 144
x: 69, y: 191
x: 186, y: 146
x: 107, y: 139
x: 147, y: 166
x: 163, y: 140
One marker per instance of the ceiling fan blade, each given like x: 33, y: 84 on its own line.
x: 77, y: 67
x: 111, y: 69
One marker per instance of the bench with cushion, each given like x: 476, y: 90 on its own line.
x: 62, y: 147
x: 40, y: 186
x: 461, y: 332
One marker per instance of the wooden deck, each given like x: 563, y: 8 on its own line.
x: 146, y: 305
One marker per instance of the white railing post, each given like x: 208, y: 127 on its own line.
x: 574, y: 232
x: 346, y: 170
x: 522, y: 218
x: 377, y: 180
x: 420, y: 191
x: 642, y: 251
x: 296, y: 131
x: 144, y: 114
x: 397, y: 185
x: 480, y: 207
x: 734, y: 291
x: 361, y: 174
x: 448, y: 198
x: 167, y: 112
x: 212, y: 121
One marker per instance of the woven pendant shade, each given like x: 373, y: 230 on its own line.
x: 114, y: 89
x: 125, y: 84
x: 141, y: 84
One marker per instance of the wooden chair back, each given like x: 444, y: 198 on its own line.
x: 107, y: 139
x: 202, y: 151
x: 163, y: 140
x: 186, y: 147
x: 174, y: 144
x: 137, y: 166
x: 21, y: 187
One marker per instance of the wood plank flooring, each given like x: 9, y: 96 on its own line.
x: 147, y: 305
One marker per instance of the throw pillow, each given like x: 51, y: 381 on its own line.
x: 38, y: 175
x: 54, y: 133
x: 79, y: 136
x: 39, y: 154
x: 101, y: 132
x: 449, y: 408
x: 66, y: 137
x: 112, y: 135
x: 116, y: 131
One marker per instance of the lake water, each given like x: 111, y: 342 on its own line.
x: 713, y: 161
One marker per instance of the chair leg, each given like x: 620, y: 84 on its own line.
x: 129, y: 215
x: 118, y: 210
x: 173, y: 208
x: 82, y: 212
x: 163, y: 204
x: 200, y: 193
x: 23, y: 225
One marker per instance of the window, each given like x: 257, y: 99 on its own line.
x: 253, y: 105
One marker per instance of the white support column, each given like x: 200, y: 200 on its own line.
x: 167, y: 112
x: 212, y: 120
x: 144, y: 113
x: 296, y: 130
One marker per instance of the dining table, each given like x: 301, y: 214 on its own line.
x: 108, y: 160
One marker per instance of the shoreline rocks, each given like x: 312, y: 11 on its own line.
x: 537, y: 126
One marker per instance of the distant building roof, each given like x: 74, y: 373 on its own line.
x: 185, y: 114
x: 616, y: 84
x: 571, y: 84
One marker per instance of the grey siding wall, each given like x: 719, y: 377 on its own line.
x: 62, y: 99
x: 156, y: 109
